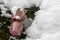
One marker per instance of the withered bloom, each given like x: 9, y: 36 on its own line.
x: 17, y: 25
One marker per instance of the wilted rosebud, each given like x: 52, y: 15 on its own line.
x: 17, y: 25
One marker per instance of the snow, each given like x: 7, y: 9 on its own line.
x: 5, y: 14
x: 14, y: 4
x: 46, y: 4
x: 17, y: 17
x: 3, y: 10
x: 46, y: 25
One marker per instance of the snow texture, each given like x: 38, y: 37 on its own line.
x: 3, y: 10
x: 46, y: 25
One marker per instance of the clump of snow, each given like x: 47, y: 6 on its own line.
x: 37, y: 3
x: 30, y: 19
x: 17, y: 17
x: 6, y: 15
x: 14, y: 4
x: 46, y: 25
x: 3, y: 10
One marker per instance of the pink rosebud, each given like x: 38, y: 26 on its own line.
x: 17, y: 25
